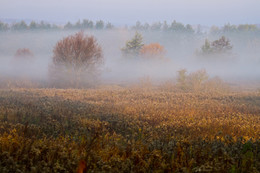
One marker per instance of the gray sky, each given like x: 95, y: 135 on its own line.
x: 205, y: 12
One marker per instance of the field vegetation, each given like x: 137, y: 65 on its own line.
x: 129, y: 129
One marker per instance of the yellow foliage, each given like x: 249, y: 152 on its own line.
x: 128, y: 130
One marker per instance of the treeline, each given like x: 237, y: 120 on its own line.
x: 228, y: 28
x: 180, y: 27
x: 85, y: 24
x: 157, y: 26
x: 22, y: 25
x: 88, y: 24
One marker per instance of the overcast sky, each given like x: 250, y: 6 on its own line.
x: 205, y: 12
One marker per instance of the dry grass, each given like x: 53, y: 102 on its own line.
x: 116, y: 129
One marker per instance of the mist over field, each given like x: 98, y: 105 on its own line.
x: 130, y: 86
x: 242, y: 65
x: 181, y: 49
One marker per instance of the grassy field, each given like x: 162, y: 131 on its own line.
x: 129, y: 129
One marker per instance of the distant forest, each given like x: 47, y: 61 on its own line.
x: 157, y: 26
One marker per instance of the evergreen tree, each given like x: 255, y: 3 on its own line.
x: 100, y: 24
x: 133, y: 46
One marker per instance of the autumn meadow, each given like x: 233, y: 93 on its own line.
x: 162, y: 97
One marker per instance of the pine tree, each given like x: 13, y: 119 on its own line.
x: 133, y: 46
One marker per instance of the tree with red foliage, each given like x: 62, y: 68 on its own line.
x: 76, y: 60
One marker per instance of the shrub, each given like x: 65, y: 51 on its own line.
x: 153, y: 50
x: 200, y: 81
x: 24, y: 53
x: 192, y: 81
x: 76, y: 61
x: 215, y: 84
x: 23, y: 66
x: 182, y: 79
x: 197, y: 79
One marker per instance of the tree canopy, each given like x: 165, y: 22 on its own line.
x: 76, y: 58
x: 220, y: 46
x: 133, y: 46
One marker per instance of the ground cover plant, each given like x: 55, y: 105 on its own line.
x: 129, y: 129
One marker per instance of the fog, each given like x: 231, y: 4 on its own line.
x: 205, y: 12
x: 242, y: 66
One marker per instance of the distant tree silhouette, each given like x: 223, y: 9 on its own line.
x: 68, y: 26
x: 156, y: 26
x: 165, y: 26
x: 78, y: 25
x: 177, y: 27
x: 100, y: 24
x: 109, y: 26
x: 215, y: 30
x: 229, y: 28
x: 33, y: 25
x: 20, y: 26
x: 189, y: 29
x: 87, y: 24
x: 23, y: 54
x: 247, y: 27
x: 138, y: 26
x: 3, y: 26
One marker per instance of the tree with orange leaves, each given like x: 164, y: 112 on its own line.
x: 153, y: 50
